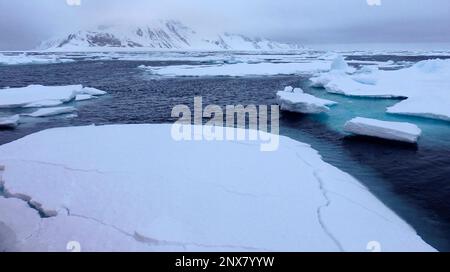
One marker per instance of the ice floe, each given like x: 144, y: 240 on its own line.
x: 127, y: 192
x: 426, y: 85
x: 24, y: 58
x: 46, y: 112
x: 9, y: 122
x: 295, y: 100
x: 240, y: 69
x: 42, y: 96
x: 398, y: 131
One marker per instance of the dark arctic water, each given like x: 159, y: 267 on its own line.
x: 413, y: 180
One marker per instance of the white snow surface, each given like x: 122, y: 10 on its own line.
x: 295, y: 100
x: 42, y: 96
x: 137, y: 189
x: 46, y: 112
x: 426, y: 85
x: 398, y: 131
x: 10, y: 121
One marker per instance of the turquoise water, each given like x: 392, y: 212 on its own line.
x: 434, y: 132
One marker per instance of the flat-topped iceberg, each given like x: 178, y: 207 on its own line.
x: 46, y: 112
x: 128, y: 191
x: 9, y: 122
x: 295, y: 100
x: 425, y: 86
x: 42, y: 96
x: 397, y: 131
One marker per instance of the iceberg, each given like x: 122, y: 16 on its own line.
x: 46, y: 112
x: 397, y: 131
x: 295, y: 100
x: 126, y: 192
x: 9, y: 122
x: 43, y: 96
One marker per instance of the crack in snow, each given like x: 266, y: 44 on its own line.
x: 68, y: 168
x: 324, y: 206
x: 155, y: 242
x: 43, y: 213
x: 320, y: 215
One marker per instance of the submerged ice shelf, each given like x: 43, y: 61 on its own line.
x: 312, y: 205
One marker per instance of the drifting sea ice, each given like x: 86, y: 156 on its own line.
x: 43, y: 96
x: 295, y: 100
x: 240, y: 69
x: 16, y: 59
x: 397, y: 131
x: 46, y: 112
x: 425, y: 85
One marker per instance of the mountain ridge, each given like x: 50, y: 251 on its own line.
x: 162, y: 35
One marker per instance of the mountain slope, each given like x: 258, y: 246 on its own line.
x: 160, y: 35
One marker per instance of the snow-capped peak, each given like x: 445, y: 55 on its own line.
x: 159, y: 35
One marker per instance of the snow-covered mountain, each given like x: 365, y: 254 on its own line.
x: 160, y: 35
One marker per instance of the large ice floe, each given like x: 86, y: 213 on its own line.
x: 42, y: 96
x: 295, y: 100
x: 24, y: 58
x: 425, y: 87
x: 139, y: 190
x: 397, y: 131
x: 240, y: 69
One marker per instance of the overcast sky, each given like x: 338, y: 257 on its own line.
x: 24, y: 23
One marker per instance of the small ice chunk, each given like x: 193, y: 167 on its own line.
x: 298, y: 101
x: 46, y: 112
x: 9, y: 122
x: 339, y: 64
x: 397, y: 131
x: 289, y: 89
